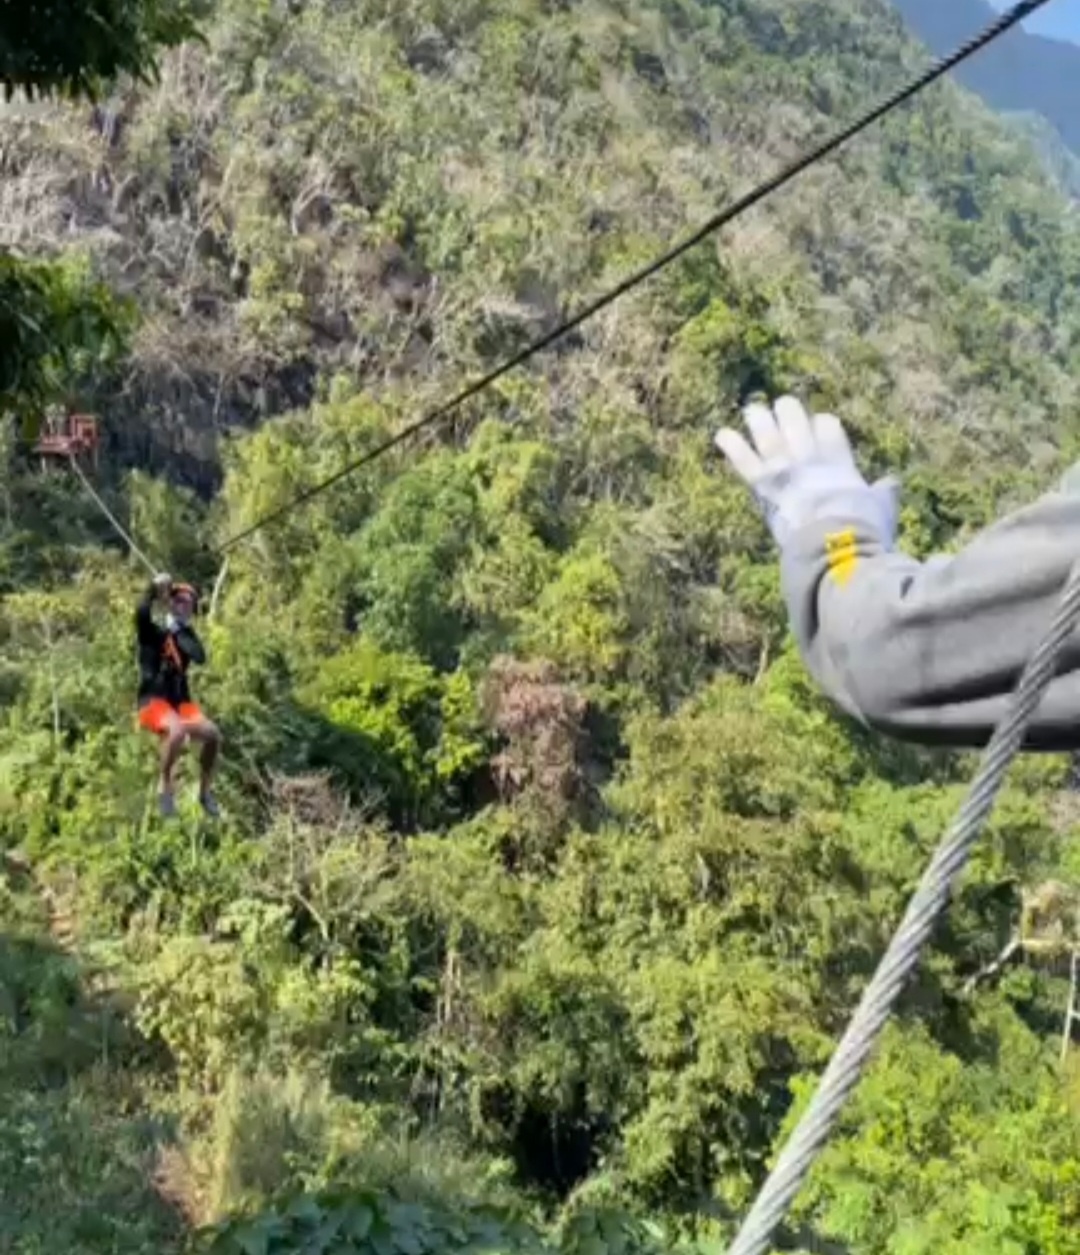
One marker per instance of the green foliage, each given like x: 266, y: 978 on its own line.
x: 61, y: 332
x: 407, y: 558
x: 60, y: 328
x: 395, y: 728
x: 547, y: 881
x: 578, y: 620
x: 374, y: 1223
x: 371, y: 1224
x: 74, y: 47
x: 75, y: 1168
x: 932, y: 1165
x: 47, y: 1030
x: 75, y: 1161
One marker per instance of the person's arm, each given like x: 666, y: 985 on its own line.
x: 927, y: 652
x: 932, y: 651
x: 144, y: 613
x: 145, y: 627
x: 190, y: 645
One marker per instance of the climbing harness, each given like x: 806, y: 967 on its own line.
x: 170, y: 651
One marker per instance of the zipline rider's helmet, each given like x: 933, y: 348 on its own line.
x: 187, y: 591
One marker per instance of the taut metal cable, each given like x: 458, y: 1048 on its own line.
x: 95, y: 496
x: 999, y: 27
x: 902, y: 956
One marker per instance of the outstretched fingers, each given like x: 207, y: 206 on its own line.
x: 767, y: 443
x: 765, y: 431
x: 831, y: 440
x: 795, y: 430
x: 738, y: 452
x: 785, y: 434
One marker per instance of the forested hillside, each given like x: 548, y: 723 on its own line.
x: 1061, y: 163
x: 546, y: 882
x: 1022, y: 73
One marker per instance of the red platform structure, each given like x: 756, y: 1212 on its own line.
x: 71, y: 436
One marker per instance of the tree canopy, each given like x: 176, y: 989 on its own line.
x: 79, y: 47
x: 546, y: 882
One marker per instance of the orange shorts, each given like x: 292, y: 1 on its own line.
x: 155, y: 714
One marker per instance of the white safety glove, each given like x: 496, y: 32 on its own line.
x: 801, y: 469
x: 162, y: 584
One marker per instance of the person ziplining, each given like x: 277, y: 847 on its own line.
x: 164, y: 655
x: 166, y: 707
x: 922, y: 651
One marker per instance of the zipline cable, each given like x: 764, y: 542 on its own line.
x: 117, y: 525
x: 925, y: 909
x: 999, y: 27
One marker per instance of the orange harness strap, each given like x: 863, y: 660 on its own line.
x: 172, y: 651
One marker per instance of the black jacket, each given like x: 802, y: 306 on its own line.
x: 164, y: 656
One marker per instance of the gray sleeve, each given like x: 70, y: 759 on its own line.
x: 931, y: 652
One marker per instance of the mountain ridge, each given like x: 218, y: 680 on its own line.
x: 1020, y: 73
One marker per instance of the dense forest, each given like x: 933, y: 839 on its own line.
x: 546, y: 881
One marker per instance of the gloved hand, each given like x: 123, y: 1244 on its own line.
x: 163, y: 584
x: 802, y: 469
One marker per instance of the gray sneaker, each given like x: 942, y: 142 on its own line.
x: 209, y: 804
x: 166, y: 805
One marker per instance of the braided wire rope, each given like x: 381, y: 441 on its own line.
x: 939, y: 69
x: 927, y: 905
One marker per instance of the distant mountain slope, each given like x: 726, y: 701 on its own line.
x: 275, y: 243
x: 1021, y: 73
x: 1062, y: 163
